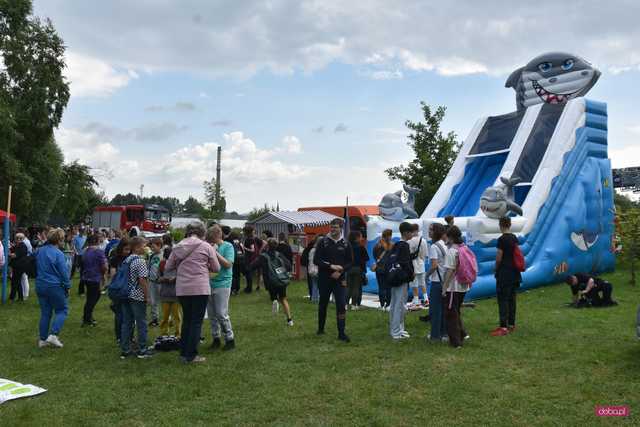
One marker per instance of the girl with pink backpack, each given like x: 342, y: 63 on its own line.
x: 462, y: 270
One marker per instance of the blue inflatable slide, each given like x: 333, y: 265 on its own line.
x: 554, y: 148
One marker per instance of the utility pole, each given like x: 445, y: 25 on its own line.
x: 218, y: 169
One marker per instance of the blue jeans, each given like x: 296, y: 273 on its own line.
x: 315, y: 292
x: 133, y: 311
x: 438, y: 325
x: 52, y: 299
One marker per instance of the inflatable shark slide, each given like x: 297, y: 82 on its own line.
x: 546, y: 166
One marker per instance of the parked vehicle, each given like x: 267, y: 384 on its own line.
x: 144, y: 220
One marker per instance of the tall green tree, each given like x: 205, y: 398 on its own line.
x: 434, y: 152
x: 78, y: 194
x: 33, y: 96
x: 193, y: 207
x: 630, y: 240
x: 215, y: 202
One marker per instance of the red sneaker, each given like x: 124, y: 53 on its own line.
x: 499, y: 332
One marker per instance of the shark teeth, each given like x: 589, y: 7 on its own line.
x: 549, y: 97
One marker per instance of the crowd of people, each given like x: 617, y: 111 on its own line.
x: 171, y: 286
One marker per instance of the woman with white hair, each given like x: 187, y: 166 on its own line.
x: 193, y: 259
x: 52, y: 287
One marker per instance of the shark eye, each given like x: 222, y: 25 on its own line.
x: 567, y: 64
x: 545, y: 66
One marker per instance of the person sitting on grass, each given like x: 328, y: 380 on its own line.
x: 52, y: 288
x: 508, y: 279
x: 588, y: 290
x: 277, y: 292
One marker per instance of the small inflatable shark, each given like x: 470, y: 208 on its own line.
x: 399, y: 205
x: 553, y: 78
x: 497, y: 201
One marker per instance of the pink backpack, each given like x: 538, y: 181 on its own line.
x: 467, y: 270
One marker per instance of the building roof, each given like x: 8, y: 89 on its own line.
x: 298, y: 219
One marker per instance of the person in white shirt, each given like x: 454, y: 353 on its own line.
x: 419, y: 252
x: 437, y: 255
x: 453, y: 291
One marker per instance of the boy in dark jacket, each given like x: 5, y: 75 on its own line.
x: 333, y: 257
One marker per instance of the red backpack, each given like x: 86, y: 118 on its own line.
x: 518, y: 259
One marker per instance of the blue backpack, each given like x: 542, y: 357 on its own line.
x: 119, y: 286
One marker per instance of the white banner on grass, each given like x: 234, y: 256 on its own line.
x: 10, y: 390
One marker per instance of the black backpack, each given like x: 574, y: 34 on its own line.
x: 277, y: 268
x: 394, y: 274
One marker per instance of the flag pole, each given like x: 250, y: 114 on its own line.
x: 5, y: 267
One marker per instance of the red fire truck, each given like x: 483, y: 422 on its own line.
x: 146, y: 220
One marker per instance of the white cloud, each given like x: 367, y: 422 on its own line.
x: 86, y: 147
x: 245, y: 38
x: 89, y: 76
x: 625, y: 156
x: 386, y: 75
x: 292, y: 144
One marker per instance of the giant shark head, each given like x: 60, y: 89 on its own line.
x: 497, y: 201
x: 552, y: 78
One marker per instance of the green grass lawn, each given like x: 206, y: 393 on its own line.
x: 553, y: 371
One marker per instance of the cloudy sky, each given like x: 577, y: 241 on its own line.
x: 309, y: 98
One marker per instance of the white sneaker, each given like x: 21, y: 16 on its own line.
x: 466, y: 337
x: 445, y: 339
x: 275, y: 307
x: 54, y: 341
x: 290, y: 322
x: 355, y: 308
x: 42, y: 343
x: 399, y: 337
x: 387, y: 309
x: 405, y: 334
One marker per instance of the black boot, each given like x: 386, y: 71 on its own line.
x: 229, y: 345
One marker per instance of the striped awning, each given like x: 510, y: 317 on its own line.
x: 298, y: 219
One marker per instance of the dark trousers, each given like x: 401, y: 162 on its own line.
x: 354, y: 286
x: 506, y: 293
x: 384, y: 292
x: 77, y: 264
x: 193, y: 308
x: 436, y: 312
x: 235, y: 282
x: 16, y: 285
x: 594, y: 295
x: 453, y: 315
x: 326, y: 288
x: 93, y: 295
x: 116, y: 307
x: 248, y: 277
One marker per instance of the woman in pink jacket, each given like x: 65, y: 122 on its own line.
x: 193, y: 259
